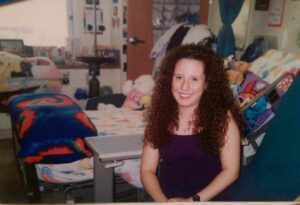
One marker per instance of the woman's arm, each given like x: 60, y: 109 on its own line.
x: 150, y: 159
x: 230, y: 159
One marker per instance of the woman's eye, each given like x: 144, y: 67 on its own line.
x: 195, y: 79
x: 177, y: 77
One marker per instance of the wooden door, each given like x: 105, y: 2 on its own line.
x: 139, y: 26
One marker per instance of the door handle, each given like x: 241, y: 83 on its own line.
x: 134, y: 40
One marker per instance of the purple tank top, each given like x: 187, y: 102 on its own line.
x: 184, y: 168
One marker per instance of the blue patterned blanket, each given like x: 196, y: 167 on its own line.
x: 50, y: 128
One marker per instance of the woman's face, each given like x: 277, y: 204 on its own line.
x: 188, y: 82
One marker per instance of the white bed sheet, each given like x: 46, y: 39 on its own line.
x: 114, y: 122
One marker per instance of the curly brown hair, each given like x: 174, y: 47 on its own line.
x: 212, y: 111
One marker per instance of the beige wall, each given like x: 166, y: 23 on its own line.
x: 37, y: 22
x: 45, y: 23
x: 110, y: 37
x: 86, y: 39
x: 286, y: 35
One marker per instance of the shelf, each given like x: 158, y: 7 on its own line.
x: 177, y: 3
x: 76, y: 66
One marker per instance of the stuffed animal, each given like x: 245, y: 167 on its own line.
x: 229, y: 61
x: 138, y: 92
x: 237, y: 72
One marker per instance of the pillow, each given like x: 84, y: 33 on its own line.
x: 50, y: 128
x: 259, y: 112
x: 250, y: 87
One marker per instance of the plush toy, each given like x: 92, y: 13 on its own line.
x: 229, y: 61
x: 237, y: 72
x: 138, y: 92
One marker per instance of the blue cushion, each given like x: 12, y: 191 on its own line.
x: 50, y: 128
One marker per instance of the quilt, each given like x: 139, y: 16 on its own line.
x: 273, y: 64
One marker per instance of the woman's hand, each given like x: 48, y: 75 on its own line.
x: 179, y: 199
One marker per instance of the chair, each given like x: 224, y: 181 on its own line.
x: 274, y: 174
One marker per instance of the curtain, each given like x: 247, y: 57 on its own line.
x: 229, y: 10
x: 5, y: 1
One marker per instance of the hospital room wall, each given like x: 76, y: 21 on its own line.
x: 286, y: 36
x: 286, y: 33
x: 74, y: 29
x: 35, y: 21
x: 80, y: 39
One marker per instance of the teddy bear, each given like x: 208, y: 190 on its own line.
x: 138, y: 92
x: 237, y: 72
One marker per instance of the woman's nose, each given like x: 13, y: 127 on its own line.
x: 185, y: 85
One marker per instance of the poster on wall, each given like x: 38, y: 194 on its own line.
x: 89, y: 20
x: 276, y: 13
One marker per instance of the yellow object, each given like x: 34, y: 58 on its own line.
x: 4, y: 87
x: 8, y: 64
x: 145, y: 101
x: 236, y: 75
x: 85, y: 164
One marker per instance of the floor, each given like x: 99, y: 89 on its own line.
x: 11, y: 188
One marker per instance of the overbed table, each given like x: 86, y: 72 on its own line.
x: 120, y: 137
x: 108, y: 153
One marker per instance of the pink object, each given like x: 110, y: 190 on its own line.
x: 133, y: 100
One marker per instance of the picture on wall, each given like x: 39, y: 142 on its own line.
x: 276, y: 13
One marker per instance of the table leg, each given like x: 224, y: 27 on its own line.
x: 103, y: 181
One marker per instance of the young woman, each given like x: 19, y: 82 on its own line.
x: 193, y: 129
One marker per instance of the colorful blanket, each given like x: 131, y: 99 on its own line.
x: 51, y: 128
x: 117, y: 122
x: 273, y: 64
